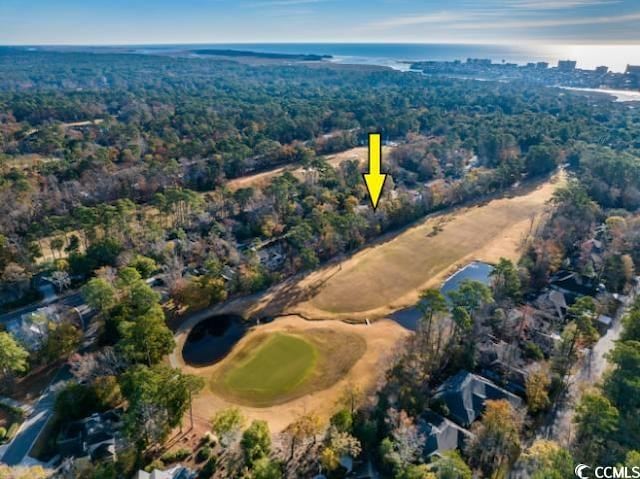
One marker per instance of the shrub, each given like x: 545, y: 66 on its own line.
x: 342, y: 420
x: 208, y: 440
x: 175, y: 456
x: 203, y: 454
x: 533, y: 351
x: 3, y: 434
x: 145, y: 266
x: 157, y: 464
x: 13, y: 429
x: 208, y: 469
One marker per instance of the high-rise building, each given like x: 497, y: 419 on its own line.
x: 484, y: 62
x: 567, y: 65
x: 633, y: 76
x: 633, y: 70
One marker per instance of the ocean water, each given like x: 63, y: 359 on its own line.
x: 396, y: 55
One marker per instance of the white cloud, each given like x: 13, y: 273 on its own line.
x: 284, y: 3
x: 549, y: 23
x: 557, y: 4
x: 416, y: 20
x: 498, y: 21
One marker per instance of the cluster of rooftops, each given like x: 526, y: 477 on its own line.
x: 463, y: 396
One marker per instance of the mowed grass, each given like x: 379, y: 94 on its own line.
x: 281, y: 363
x: 382, y: 275
x: 278, y: 367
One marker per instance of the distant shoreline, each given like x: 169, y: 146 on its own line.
x: 617, y: 57
x: 620, y: 95
x: 266, y: 55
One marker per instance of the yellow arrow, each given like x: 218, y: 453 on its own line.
x: 374, y: 179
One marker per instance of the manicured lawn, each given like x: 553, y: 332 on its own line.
x: 270, y: 368
x: 278, y: 365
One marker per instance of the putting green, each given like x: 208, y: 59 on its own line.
x: 278, y: 365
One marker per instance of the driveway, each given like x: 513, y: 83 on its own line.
x: 16, y: 452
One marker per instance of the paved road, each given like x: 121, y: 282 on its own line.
x: 16, y: 452
x: 71, y: 299
x: 21, y: 444
x: 589, y: 372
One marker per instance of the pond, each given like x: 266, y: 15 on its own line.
x: 212, y: 339
x: 475, y: 271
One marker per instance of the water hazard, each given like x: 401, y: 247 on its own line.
x: 212, y: 339
x: 475, y: 271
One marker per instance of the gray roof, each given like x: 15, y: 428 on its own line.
x: 465, y: 395
x: 441, y: 434
x: 94, y: 436
x: 605, y: 320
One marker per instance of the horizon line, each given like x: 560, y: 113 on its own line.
x: 324, y: 42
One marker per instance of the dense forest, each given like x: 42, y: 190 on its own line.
x: 101, y: 153
x: 116, y: 169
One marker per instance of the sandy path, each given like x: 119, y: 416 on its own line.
x: 263, y: 178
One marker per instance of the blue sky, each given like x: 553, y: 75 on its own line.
x: 220, y: 21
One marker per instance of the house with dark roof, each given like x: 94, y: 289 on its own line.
x: 575, y: 285
x: 603, y: 323
x: 507, y: 376
x: 465, y: 395
x: 441, y: 435
x: 93, y: 438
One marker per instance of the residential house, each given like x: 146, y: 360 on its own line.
x: 546, y: 341
x: 32, y: 329
x: 175, y: 472
x: 272, y: 255
x: 553, y: 302
x: 441, y: 435
x: 465, y: 395
x: 507, y: 376
x: 94, y: 438
x: 574, y: 285
x: 603, y: 323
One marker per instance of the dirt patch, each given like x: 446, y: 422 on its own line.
x: 264, y: 178
x: 29, y: 388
